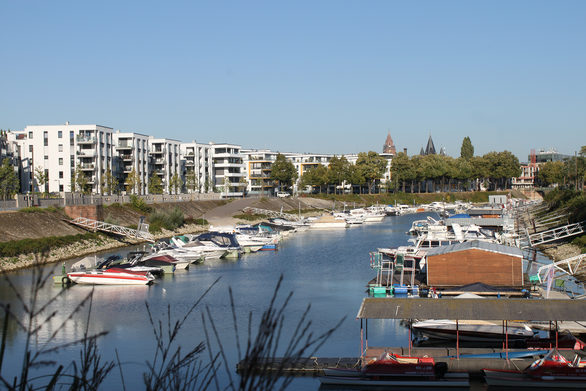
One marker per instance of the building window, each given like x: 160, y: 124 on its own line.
x: 60, y: 134
x: 60, y: 187
x: 46, y: 157
x: 46, y: 138
x: 60, y: 147
x: 30, y: 135
x: 60, y: 161
x: 30, y: 148
x: 71, y: 137
x: 60, y: 174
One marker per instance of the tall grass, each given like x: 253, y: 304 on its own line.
x: 177, y: 364
x: 170, y: 220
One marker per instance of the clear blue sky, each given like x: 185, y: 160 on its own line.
x: 303, y: 76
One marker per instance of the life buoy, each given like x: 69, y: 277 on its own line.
x: 65, y: 281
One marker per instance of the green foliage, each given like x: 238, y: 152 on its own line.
x: 283, y: 171
x: 580, y: 241
x: 155, y: 184
x: 133, y: 182
x: 250, y: 216
x: 467, y: 149
x: 191, y: 181
x: 372, y: 167
x: 9, y: 183
x: 170, y: 220
x: 31, y: 209
x: 176, y: 183
x: 139, y: 204
x: 42, y: 245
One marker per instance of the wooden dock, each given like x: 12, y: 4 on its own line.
x: 314, y: 366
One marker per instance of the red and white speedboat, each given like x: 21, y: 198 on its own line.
x: 112, y: 276
x: 395, y: 370
x: 552, y: 371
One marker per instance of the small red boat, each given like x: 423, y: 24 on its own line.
x: 395, y: 370
x: 551, y: 371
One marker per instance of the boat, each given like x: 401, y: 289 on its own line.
x: 328, y: 222
x: 112, y: 276
x: 396, y: 370
x: 472, y: 330
x: 118, y: 262
x: 165, y: 262
x: 549, y: 372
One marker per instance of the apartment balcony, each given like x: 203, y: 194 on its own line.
x: 124, y: 146
x: 127, y: 169
x: 159, y: 161
x: 87, y: 152
x: 157, y: 151
x: 126, y: 157
x: 227, y: 164
x: 189, y: 164
x: 86, y: 139
x: 87, y: 167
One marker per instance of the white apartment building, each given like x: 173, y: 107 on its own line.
x: 228, y: 170
x: 257, y: 167
x: 132, y: 153
x: 59, y: 150
x: 197, y: 167
x: 164, y: 160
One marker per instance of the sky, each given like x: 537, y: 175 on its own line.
x: 303, y: 76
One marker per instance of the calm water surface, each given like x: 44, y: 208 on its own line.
x: 327, y: 269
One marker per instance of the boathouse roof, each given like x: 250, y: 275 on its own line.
x: 473, y: 309
x: 479, y: 245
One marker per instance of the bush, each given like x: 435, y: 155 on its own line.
x: 27, y: 246
x: 139, y: 204
x: 169, y: 220
x: 580, y: 241
x: 31, y: 209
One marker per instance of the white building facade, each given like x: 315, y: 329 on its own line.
x: 257, y: 167
x: 165, y: 161
x: 228, y: 170
x: 197, y: 167
x: 131, y: 154
x: 61, y: 152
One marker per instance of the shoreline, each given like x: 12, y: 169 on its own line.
x: 85, y: 247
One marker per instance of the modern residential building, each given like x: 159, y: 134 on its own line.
x: 197, y: 167
x: 56, y: 154
x: 228, y: 170
x: 165, y: 161
x: 258, y: 166
x: 131, y: 159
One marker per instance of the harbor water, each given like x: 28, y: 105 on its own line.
x: 328, y: 270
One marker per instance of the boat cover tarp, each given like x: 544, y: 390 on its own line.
x: 473, y: 309
x: 477, y: 287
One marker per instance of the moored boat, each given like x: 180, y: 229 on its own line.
x: 553, y: 371
x: 112, y: 276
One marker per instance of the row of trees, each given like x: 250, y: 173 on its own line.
x: 567, y: 173
x: 494, y: 170
x: 418, y: 173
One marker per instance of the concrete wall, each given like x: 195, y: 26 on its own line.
x: 94, y: 212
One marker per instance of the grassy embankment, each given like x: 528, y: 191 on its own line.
x: 572, y: 203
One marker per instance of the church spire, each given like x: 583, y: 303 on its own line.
x: 430, y: 148
x: 389, y: 146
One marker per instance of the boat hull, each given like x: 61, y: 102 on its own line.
x: 519, y: 379
x: 100, y: 278
x: 449, y: 381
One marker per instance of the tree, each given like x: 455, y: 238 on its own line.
x: 175, y: 183
x: 551, y: 173
x: 191, y: 181
x: 81, y: 182
x: 155, y: 184
x: 501, y: 167
x: 283, y: 171
x: 401, y: 170
x: 467, y: 149
x: 42, y: 178
x: 108, y: 183
x: 133, y: 182
x: 373, y: 167
x: 338, y: 170
x: 355, y: 176
x: 316, y: 176
x: 9, y: 182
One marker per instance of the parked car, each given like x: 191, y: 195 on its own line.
x: 283, y: 194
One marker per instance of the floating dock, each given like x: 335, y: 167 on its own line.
x: 484, y: 358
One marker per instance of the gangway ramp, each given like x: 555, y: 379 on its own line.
x: 570, y: 266
x: 554, y: 234
x: 95, y: 225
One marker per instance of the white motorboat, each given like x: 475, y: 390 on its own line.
x: 477, y: 330
x: 328, y: 222
x: 112, y: 276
